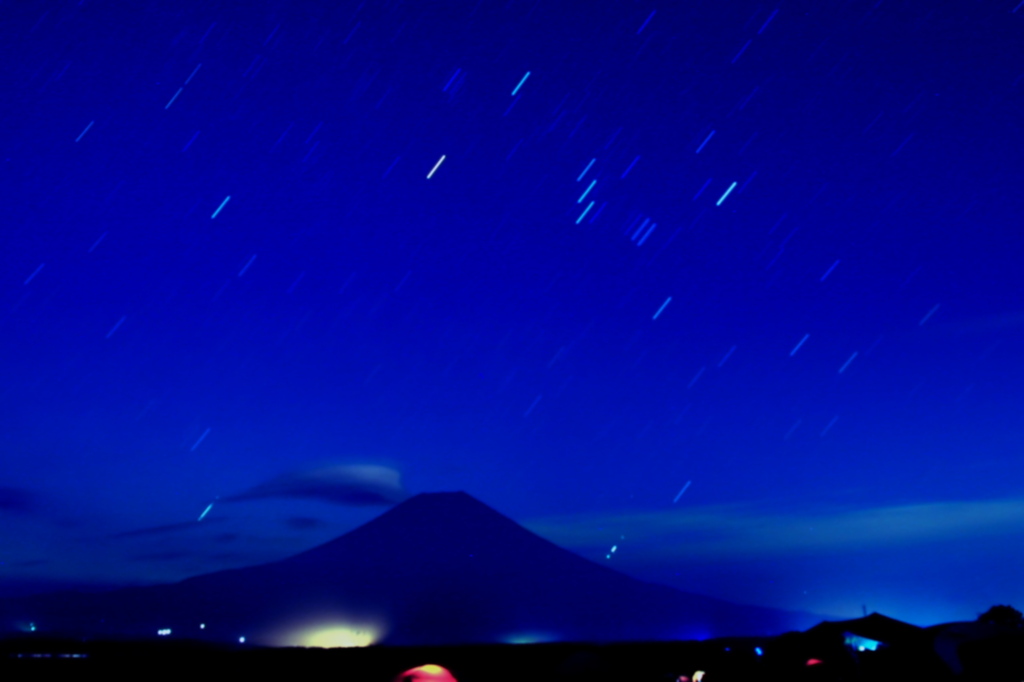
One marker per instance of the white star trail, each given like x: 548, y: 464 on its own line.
x: 520, y: 84
x: 667, y: 301
x: 221, y: 207
x: 436, y: 166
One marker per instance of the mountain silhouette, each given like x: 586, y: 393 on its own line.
x: 439, y: 568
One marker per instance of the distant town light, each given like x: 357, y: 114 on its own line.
x: 163, y: 632
x: 331, y: 635
x: 241, y: 640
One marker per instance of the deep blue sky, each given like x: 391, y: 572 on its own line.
x: 837, y: 373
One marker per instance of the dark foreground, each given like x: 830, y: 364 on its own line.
x: 794, y: 656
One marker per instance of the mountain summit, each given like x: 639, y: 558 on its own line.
x: 439, y: 568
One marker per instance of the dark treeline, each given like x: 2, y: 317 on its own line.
x: 794, y: 656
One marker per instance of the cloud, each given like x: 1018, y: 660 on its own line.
x: 165, y: 529
x: 303, y: 523
x: 17, y: 500
x: 355, y: 485
x: 166, y: 555
x: 746, y: 531
x: 990, y: 323
x: 30, y: 563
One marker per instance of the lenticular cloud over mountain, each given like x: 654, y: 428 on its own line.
x: 354, y: 484
x: 440, y: 568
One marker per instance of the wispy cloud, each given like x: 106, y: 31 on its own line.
x: 17, y: 500
x: 745, y: 531
x: 303, y: 523
x: 165, y: 555
x: 1013, y: 319
x: 164, y: 529
x: 355, y: 485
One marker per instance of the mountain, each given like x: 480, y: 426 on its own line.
x: 439, y: 568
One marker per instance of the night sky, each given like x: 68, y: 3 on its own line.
x: 732, y: 286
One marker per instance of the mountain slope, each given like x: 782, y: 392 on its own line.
x: 439, y: 568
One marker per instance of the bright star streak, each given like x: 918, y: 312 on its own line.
x: 727, y: 192
x: 586, y: 192
x: 221, y: 207
x: 586, y: 169
x: 521, y: 83
x: 436, y: 166
x: 585, y: 212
